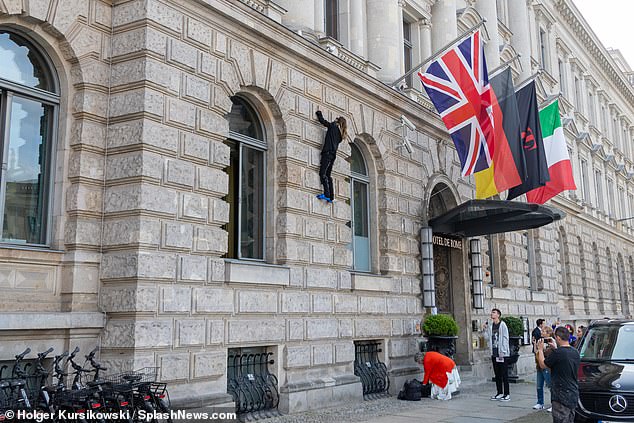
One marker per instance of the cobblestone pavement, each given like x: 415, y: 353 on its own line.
x: 471, y: 405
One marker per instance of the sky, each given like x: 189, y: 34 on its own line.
x: 611, y: 21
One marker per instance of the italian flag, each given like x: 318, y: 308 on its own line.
x: 557, y: 158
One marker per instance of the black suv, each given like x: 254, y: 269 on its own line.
x: 606, y: 373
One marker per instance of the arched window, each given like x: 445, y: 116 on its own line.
x: 246, y: 182
x: 28, y: 108
x: 360, y: 182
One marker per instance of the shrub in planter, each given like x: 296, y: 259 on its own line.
x: 516, y: 332
x: 440, y: 325
x: 515, y: 325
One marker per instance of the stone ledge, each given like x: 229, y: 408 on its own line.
x: 46, y: 321
x: 319, y: 393
x: 256, y: 273
x: 204, y: 401
x: 320, y: 383
x: 502, y: 293
x: 539, y: 296
x: 368, y: 282
x: 401, y: 371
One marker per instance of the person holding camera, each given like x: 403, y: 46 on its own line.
x: 563, y: 363
x: 542, y: 375
x: 498, y: 334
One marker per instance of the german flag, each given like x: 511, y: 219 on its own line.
x: 508, y: 168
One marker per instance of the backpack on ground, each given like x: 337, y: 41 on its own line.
x: 413, y: 390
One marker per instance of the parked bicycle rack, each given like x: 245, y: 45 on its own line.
x: 253, y: 387
x: 371, y: 370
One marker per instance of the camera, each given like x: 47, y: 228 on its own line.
x: 408, y: 123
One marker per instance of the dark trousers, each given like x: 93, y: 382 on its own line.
x: 562, y: 414
x: 325, y: 169
x: 501, y: 371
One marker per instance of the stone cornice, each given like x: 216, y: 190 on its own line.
x: 325, y: 65
x: 587, y: 38
x: 541, y: 10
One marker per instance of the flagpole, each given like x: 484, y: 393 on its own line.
x: 504, y: 65
x: 528, y: 80
x: 433, y: 57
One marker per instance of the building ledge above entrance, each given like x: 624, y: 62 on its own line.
x: 368, y: 282
x: 237, y: 271
x: 484, y: 217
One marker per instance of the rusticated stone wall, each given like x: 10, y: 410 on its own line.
x: 139, y: 209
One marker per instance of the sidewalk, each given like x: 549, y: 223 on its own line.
x: 473, y: 404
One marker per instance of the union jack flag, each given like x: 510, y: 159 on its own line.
x: 458, y: 85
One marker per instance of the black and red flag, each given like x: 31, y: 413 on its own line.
x: 532, y: 142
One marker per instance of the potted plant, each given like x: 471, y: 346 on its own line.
x: 516, y: 333
x: 441, y: 331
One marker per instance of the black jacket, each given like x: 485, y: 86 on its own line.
x: 333, y: 135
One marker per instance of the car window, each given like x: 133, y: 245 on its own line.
x: 608, y: 343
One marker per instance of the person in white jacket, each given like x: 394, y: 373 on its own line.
x: 498, y: 335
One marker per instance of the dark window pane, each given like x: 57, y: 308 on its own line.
x: 243, y: 120
x: 357, y: 164
x: 332, y: 18
x: 24, y: 160
x: 22, y: 64
x: 407, y: 51
x: 360, y: 193
x: 232, y: 199
x: 361, y: 238
x: 252, y: 204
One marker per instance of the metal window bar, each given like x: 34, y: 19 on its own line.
x: 373, y: 373
x: 252, y: 386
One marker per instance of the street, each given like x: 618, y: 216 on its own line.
x: 471, y: 405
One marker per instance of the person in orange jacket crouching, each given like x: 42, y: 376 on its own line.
x: 443, y: 374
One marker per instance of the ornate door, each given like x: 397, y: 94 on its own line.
x: 442, y: 274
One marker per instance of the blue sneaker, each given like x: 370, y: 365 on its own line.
x: 330, y: 200
x: 321, y: 197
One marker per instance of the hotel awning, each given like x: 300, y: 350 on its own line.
x: 484, y: 217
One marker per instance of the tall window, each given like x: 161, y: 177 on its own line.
x: 562, y: 78
x: 584, y: 180
x: 360, y: 211
x: 543, y: 52
x: 332, y: 18
x: 407, y: 50
x: 611, y: 197
x: 246, y: 182
x: 28, y: 109
x: 622, y: 200
x: 578, y: 102
x: 604, y: 120
x: 591, y: 112
x: 617, y: 133
x: 599, y: 188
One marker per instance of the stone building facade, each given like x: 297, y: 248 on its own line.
x: 168, y: 209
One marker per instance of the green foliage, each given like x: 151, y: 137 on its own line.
x: 440, y: 325
x: 515, y: 325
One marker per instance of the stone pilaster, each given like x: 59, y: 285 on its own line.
x: 385, y: 37
x: 488, y: 10
x: 444, y: 24
x: 358, y: 29
x: 519, y: 24
x: 300, y: 14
